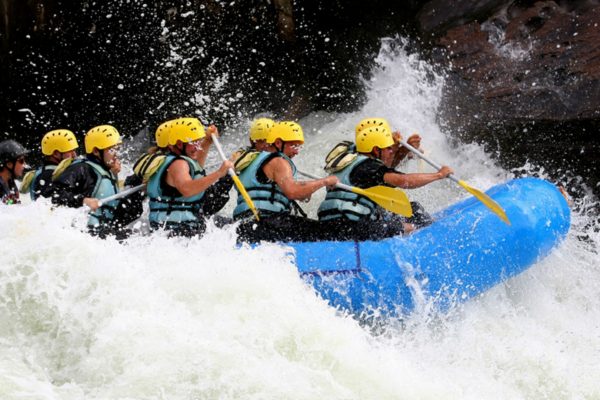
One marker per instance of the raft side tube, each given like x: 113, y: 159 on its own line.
x: 466, y: 251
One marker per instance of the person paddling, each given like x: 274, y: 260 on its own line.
x: 349, y: 216
x: 86, y: 181
x: 57, y: 145
x: 270, y: 180
x: 12, y: 166
x: 177, y: 190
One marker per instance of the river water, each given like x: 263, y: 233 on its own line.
x: 158, y: 318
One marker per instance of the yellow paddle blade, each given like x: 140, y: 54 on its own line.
x: 27, y: 181
x: 487, y: 200
x: 391, y: 199
x: 245, y: 195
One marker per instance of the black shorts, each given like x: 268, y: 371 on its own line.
x: 281, y: 228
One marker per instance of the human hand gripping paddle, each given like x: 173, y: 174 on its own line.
x: 484, y: 198
x: 236, y: 180
x: 391, y: 199
x: 123, y: 193
x: 93, y: 204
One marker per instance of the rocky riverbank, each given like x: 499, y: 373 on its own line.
x: 526, y: 82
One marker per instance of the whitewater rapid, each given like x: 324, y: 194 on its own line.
x: 158, y: 318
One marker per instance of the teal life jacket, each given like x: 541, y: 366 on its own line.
x: 33, y: 187
x: 267, y: 197
x: 340, y: 203
x: 167, y: 210
x: 106, y: 185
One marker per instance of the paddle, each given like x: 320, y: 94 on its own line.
x: 484, y: 198
x: 391, y: 199
x: 122, y: 193
x: 236, y: 180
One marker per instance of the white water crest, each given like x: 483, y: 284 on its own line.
x: 158, y: 318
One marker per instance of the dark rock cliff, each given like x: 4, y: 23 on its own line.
x: 525, y: 81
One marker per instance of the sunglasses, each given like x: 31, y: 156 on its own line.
x: 296, y: 147
x: 21, y: 160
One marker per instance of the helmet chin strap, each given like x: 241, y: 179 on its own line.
x: 12, y: 170
x: 101, y: 158
x: 56, y: 159
x: 184, y: 150
x: 378, y: 154
x: 282, y: 147
x: 180, y: 150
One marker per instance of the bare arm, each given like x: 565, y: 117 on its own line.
x: 178, y: 176
x: 413, y: 181
x: 279, y: 171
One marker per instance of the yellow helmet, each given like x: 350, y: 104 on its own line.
x: 186, y: 130
x: 374, y: 136
x: 162, y: 133
x: 369, y: 122
x: 260, y: 128
x: 101, y: 137
x: 287, y: 131
x: 62, y: 140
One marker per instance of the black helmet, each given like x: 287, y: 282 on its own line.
x: 10, y: 151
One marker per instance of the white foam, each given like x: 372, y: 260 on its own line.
x: 159, y: 318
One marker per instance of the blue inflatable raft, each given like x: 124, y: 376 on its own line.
x: 465, y: 252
